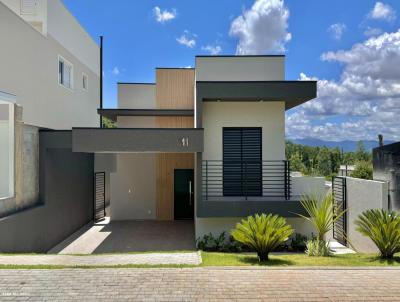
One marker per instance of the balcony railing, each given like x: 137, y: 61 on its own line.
x: 265, y: 179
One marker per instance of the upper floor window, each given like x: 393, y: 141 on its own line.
x: 29, y: 7
x: 85, y: 81
x: 65, y: 73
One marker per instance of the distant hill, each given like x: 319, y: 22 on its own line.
x: 346, y: 145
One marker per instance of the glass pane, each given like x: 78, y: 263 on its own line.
x: 67, y: 76
x: 61, y: 72
x: 6, y: 150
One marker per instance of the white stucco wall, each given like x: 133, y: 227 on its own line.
x: 136, y: 96
x: 136, y: 122
x: 29, y: 70
x: 363, y: 195
x: 246, y: 68
x: 37, y: 17
x: 268, y: 115
x: 64, y: 28
x: 307, y: 185
x: 133, y: 187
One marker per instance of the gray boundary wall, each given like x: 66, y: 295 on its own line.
x: 363, y: 195
x: 65, y: 193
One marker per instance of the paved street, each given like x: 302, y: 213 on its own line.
x: 200, y: 284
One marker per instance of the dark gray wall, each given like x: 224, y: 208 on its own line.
x: 137, y: 140
x: 231, y: 208
x: 386, y: 163
x: 66, y: 194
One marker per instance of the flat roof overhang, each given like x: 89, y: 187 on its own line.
x: 152, y: 140
x: 293, y: 93
x: 112, y: 114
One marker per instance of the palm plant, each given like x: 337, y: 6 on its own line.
x: 321, y: 213
x: 383, y: 228
x: 262, y: 233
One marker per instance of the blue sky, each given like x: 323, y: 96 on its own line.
x: 325, y: 40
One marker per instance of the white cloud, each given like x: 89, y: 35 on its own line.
x: 382, y: 11
x: 187, y: 39
x: 163, y: 16
x: 115, y: 71
x: 364, y: 101
x: 336, y: 30
x: 372, y: 31
x: 262, y: 28
x: 213, y: 50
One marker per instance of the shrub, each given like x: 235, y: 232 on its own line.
x: 383, y: 227
x: 316, y: 247
x: 211, y: 243
x: 363, y: 169
x: 262, y: 233
x: 298, y: 243
x: 320, y: 213
x: 220, y: 243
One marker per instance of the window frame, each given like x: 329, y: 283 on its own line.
x: 71, y: 80
x: 84, y: 75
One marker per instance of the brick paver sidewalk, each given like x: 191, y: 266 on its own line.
x: 200, y: 284
x: 190, y: 258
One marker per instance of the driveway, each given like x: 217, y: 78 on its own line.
x: 129, y: 236
x: 201, y: 284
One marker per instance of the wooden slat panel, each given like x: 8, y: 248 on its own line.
x: 165, y: 165
x: 175, y: 88
x: 175, y: 122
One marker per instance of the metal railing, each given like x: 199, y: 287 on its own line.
x: 256, y: 179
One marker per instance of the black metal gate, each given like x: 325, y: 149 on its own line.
x: 339, y: 205
x: 99, y: 196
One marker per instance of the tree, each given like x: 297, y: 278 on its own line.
x: 361, y: 154
x: 107, y: 123
x: 363, y: 169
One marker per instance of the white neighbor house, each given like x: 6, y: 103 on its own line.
x: 49, y: 79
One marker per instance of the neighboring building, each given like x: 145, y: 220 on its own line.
x: 206, y: 144
x: 49, y: 80
x: 386, y: 164
x: 346, y: 170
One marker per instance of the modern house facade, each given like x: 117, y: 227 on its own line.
x: 206, y: 144
x: 49, y: 82
x: 203, y: 144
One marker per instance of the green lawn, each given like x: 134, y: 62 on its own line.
x: 227, y: 259
x: 249, y: 259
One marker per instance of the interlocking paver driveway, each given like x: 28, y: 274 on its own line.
x: 189, y: 258
x: 200, y: 284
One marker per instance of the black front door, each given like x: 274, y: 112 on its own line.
x: 183, y: 194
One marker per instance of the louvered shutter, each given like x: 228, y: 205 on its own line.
x: 242, y: 166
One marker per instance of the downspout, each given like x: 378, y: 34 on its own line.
x: 101, y: 79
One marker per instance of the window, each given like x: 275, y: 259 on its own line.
x: 6, y: 148
x: 65, y: 73
x: 242, y: 161
x: 84, y: 81
x: 29, y: 7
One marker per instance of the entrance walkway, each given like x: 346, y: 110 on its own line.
x: 201, y: 284
x: 190, y: 258
x: 129, y: 236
